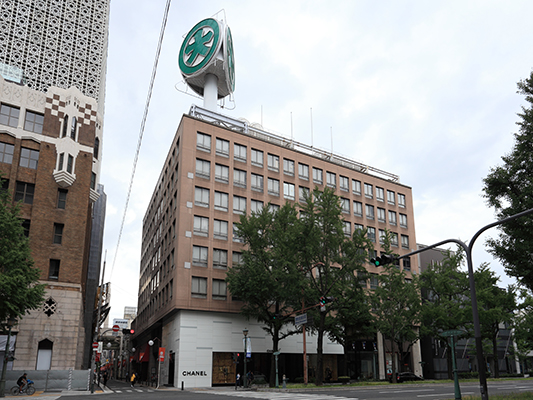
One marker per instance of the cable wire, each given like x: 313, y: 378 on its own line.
x: 143, y: 124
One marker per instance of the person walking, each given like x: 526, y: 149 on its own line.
x: 132, y: 379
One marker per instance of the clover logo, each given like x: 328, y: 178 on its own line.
x: 199, y: 46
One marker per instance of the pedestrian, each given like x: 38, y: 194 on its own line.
x: 132, y: 379
x: 238, y: 380
x: 106, y: 377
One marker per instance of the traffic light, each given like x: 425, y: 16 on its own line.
x: 326, y: 299
x: 127, y: 331
x: 235, y: 357
x: 384, y: 259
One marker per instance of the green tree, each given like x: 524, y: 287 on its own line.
x: 19, y: 291
x: 396, y: 308
x: 329, y: 259
x: 496, y: 306
x: 509, y: 189
x: 523, y: 326
x: 445, y: 294
x: 269, y: 281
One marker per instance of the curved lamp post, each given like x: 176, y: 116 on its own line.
x: 151, y: 342
x: 244, y: 378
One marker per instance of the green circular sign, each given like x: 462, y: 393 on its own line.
x: 230, y: 59
x: 199, y: 46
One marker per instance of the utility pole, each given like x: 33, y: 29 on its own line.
x: 97, y: 327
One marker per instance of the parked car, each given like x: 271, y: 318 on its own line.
x: 408, y: 376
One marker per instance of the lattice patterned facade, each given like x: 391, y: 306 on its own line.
x: 59, y: 43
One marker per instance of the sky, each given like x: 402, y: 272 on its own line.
x: 424, y: 90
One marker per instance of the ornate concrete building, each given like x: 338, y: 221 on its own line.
x: 52, y: 79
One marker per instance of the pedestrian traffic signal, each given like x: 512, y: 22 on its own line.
x: 384, y: 259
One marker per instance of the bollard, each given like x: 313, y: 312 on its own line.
x: 284, y: 382
x: 182, y: 383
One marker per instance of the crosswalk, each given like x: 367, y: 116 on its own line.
x: 134, y: 390
x: 276, y: 395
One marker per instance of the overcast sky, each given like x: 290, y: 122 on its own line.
x: 425, y: 90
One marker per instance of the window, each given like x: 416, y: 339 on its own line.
x: 273, y: 187
x: 53, y: 271
x: 199, y: 287
x: 374, y: 281
x: 401, y: 200
x: 220, y: 258
x: 331, y: 179
x: 61, y: 161
x: 257, y: 158
x: 24, y: 191
x: 4, y: 184
x: 73, y: 126
x: 219, y: 289
x: 390, y: 197
x: 358, y: 227
x: 356, y: 187
x: 405, y: 241
x: 239, y: 152
x: 203, y: 142
x: 358, y: 208
x: 369, y: 191
x: 406, y: 264
x: 70, y: 164
x: 236, y: 234
x: 96, y: 149
x: 203, y: 168
x: 201, y: 226
x: 303, y: 171
x: 220, y: 229
x: 394, y: 239
x: 403, y: 220
x: 345, y: 205
x: 29, y: 158
x: 58, y: 233
x: 303, y: 194
x: 380, y: 194
x: 317, y: 176
x: 62, y: 198
x: 288, y: 167
x: 256, y: 206
x: 65, y: 126
x: 222, y: 147
x: 257, y: 183
x: 363, y: 278
x: 392, y: 218
x: 26, y: 226
x: 33, y: 122
x: 288, y: 191
x: 199, y: 256
x: 239, y: 205
x: 9, y: 115
x: 93, y: 181
x: 381, y: 214
x: 344, y: 183
x: 201, y: 196
x: 369, y: 211
x: 221, y: 173
x: 273, y: 162
x: 239, y: 178
x: 237, y: 259
x: 347, y: 228
x: 371, y: 233
x: 6, y: 152
x: 274, y: 208
x: 382, y: 236
x: 221, y: 201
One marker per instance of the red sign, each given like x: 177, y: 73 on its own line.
x: 116, y: 328
x: 95, y: 345
x: 161, y: 354
x: 131, y: 359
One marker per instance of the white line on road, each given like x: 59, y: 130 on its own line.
x: 445, y: 395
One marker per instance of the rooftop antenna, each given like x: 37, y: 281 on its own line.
x: 291, y: 127
x: 262, y: 116
x: 331, y: 134
x: 311, y: 110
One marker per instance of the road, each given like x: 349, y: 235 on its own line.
x: 122, y: 391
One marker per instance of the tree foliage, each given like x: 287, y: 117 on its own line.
x: 19, y: 291
x: 396, y: 307
x: 509, y: 190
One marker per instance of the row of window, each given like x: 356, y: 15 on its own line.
x: 28, y: 157
x: 25, y: 191
x: 219, y: 257
x: 9, y: 115
x: 203, y: 143
x: 199, y: 288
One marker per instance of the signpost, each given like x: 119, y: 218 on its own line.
x: 300, y: 319
x: 451, y: 333
x: 116, y: 328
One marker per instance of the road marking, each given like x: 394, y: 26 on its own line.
x: 446, y: 395
x: 405, y: 391
x: 278, y: 396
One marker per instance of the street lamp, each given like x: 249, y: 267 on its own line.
x: 151, y: 343
x: 10, y: 322
x: 244, y: 378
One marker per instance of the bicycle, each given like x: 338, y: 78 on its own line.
x: 28, y: 389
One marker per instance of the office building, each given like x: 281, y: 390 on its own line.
x: 52, y: 78
x: 217, y: 169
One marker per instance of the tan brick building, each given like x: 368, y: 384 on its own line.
x: 218, y: 168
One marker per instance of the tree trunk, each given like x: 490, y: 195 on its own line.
x: 495, y: 363
x: 319, y: 376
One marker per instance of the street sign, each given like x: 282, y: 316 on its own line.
x: 95, y: 345
x: 116, y: 328
x: 300, y: 319
x: 161, y: 354
x: 452, y: 332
